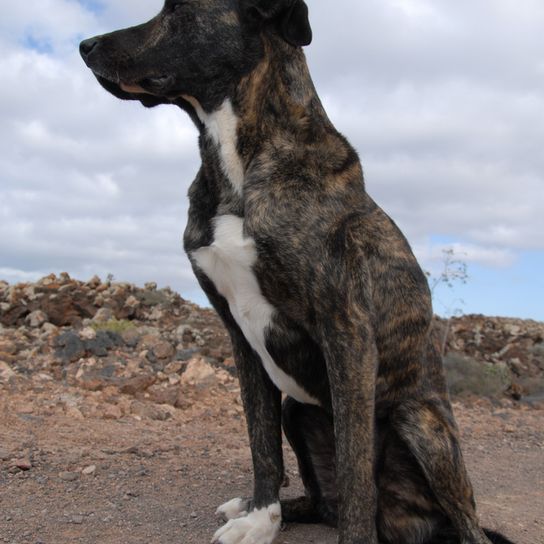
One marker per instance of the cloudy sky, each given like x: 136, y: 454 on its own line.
x: 444, y: 101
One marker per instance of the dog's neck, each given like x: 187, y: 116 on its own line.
x: 275, y: 105
x: 278, y: 98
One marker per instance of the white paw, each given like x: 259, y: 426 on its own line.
x: 236, y: 508
x: 259, y: 527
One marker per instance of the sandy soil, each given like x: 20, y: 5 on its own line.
x: 160, y: 482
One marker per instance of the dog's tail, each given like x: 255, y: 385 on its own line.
x: 496, y: 538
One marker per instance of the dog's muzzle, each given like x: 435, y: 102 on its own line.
x: 158, y: 85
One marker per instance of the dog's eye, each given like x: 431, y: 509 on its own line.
x: 176, y: 6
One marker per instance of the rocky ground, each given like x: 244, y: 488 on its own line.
x: 121, y: 421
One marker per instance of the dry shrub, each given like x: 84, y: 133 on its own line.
x: 118, y: 326
x: 467, y: 376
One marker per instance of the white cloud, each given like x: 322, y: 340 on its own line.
x: 434, y: 255
x: 442, y: 100
x: 48, y: 24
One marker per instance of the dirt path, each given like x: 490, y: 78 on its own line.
x: 160, y: 482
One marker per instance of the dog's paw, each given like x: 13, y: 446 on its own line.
x: 259, y: 527
x: 236, y: 508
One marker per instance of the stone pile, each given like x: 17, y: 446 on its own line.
x: 100, y: 348
x: 514, y: 347
x: 109, y: 349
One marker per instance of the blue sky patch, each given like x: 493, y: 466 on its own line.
x: 96, y: 6
x: 513, y: 292
x: 37, y: 43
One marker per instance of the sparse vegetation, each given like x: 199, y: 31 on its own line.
x: 454, y: 270
x: 466, y: 376
x: 532, y: 386
x: 118, y: 326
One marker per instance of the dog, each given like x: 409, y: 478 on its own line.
x: 319, y: 290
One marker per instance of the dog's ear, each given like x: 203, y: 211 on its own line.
x: 296, y: 27
x: 290, y: 16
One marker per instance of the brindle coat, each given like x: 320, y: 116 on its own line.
x: 380, y: 455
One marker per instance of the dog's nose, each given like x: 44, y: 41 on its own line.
x: 86, y: 46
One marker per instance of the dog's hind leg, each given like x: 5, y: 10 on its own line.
x: 310, y: 432
x: 428, y: 429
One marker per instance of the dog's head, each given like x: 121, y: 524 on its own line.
x: 195, y: 48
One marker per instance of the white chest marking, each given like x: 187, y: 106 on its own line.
x: 222, y: 127
x: 228, y: 262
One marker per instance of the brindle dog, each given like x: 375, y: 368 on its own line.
x: 319, y: 290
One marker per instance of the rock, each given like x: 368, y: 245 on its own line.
x: 131, y: 495
x: 163, y: 350
x: 49, y: 329
x: 94, y: 282
x: 229, y: 363
x: 174, y: 368
x: 132, y: 302
x: 224, y: 377
x: 103, y: 341
x: 69, y: 347
x: 150, y: 356
x: 187, y: 354
x: 73, y: 412
x: 151, y: 286
x: 136, y: 384
x: 103, y: 315
x: 8, y: 347
x: 68, y: 476
x: 23, y: 464
x: 131, y: 337
x: 199, y: 374
x: 181, y: 331
x: 88, y: 333
x: 112, y: 411
x: 164, y: 395
x: 512, y: 330
x: 87, y: 471
x: 25, y: 408
x: 169, y: 340
x: 6, y: 372
x: 149, y: 341
x: 515, y: 391
x: 47, y: 280
x: 66, y: 308
x: 150, y: 411
x: 93, y: 381
x: 156, y: 314
x: 36, y: 319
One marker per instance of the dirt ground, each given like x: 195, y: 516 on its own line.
x: 134, y: 480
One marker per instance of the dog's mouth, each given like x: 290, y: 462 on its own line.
x: 158, y: 86
x: 150, y: 91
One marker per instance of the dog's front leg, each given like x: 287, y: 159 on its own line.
x: 351, y: 356
x: 262, y: 404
